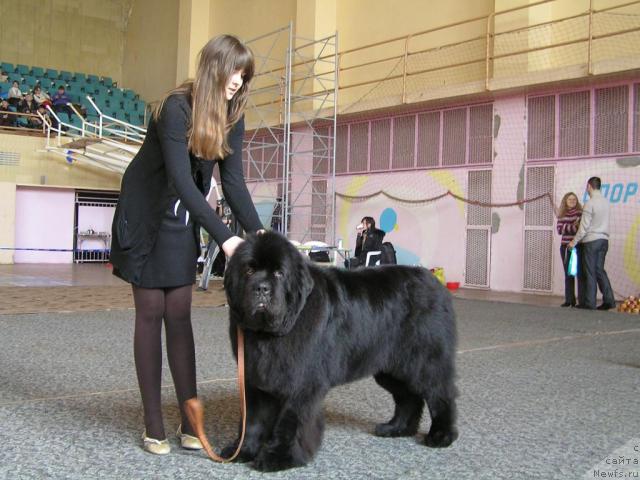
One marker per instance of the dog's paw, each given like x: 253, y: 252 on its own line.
x: 245, y: 455
x: 440, y: 438
x: 270, y: 462
x: 390, y: 430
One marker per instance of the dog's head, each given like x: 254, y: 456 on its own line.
x: 267, y: 283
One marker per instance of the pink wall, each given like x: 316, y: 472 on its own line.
x: 433, y: 234
x: 44, y: 219
x: 507, y: 247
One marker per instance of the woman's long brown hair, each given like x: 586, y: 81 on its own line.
x: 212, y: 115
x: 562, y: 211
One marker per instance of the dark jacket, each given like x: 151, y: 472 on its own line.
x: 26, y: 107
x: 163, y: 169
x: 60, y: 99
x: 372, y: 243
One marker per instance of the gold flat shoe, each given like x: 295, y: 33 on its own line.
x: 188, y: 442
x: 157, y: 447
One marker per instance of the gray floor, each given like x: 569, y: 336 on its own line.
x: 545, y: 393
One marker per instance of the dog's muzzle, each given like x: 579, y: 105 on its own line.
x: 262, y: 296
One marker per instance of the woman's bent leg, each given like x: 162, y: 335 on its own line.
x: 180, y: 347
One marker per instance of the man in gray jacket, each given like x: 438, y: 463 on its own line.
x: 593, y: 234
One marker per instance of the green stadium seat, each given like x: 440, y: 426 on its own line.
x: 119, y: 103
x: 105, y: 109
x: 135, y: 119
x: 100, y: 89
x: 76, y: 86
x: 76, y: 121
x: 76, y: 97
x: 117, y: 93
x: 129, y: 105
x: 30, y: 81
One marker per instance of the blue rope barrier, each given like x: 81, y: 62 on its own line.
x: 54, y: 249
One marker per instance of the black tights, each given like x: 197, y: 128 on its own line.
x: 174, y: 305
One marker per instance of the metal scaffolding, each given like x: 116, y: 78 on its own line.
x: 289, y: 147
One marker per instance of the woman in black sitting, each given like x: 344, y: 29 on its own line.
x: 369, y: 239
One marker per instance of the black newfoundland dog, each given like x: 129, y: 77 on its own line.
x: 308, y: 328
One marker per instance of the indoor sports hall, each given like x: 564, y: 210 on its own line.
x: 459, y: 127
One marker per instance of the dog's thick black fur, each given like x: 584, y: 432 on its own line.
x: 308, y: 328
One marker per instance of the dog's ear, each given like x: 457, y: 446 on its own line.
x: 300, y: 284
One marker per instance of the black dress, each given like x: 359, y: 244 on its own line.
x: 155, y: 241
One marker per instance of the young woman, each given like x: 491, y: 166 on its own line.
x: 368, y: 239
x: 15, y: 94
x: 41, y: 98
x: 163, y: 203
x: 568, y: 222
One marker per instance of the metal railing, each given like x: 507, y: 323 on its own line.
x: 106, y: 142
x: 490, y: 53
x: 27, y: 125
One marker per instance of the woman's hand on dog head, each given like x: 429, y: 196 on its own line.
x: 230, y: 245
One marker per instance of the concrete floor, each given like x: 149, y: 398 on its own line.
x: 545, y: 393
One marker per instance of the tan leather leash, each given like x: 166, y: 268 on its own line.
x: 195, y: 411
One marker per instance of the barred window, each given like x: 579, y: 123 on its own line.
x: 480, y: 134
x: 380, y: 144
x: 404, y: 142
x: 452, y: 137
x: 542, y: 126
x: 358, y: 147
x: 428, y: 139
x: 342, y: 148
x: 574, y: 124
x: 636, y: 117
x: 598, y: 121
x: 322, y: 150
x: 611, y: 125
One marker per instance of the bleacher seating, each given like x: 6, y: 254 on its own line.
x: 123, y: 104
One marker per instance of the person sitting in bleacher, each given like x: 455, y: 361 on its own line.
x: 7, y: 119
x: 15, y: 94
x: 29, y: 105
x: 60, y: 101
x: 41, y: 97
x: 45, y: 113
